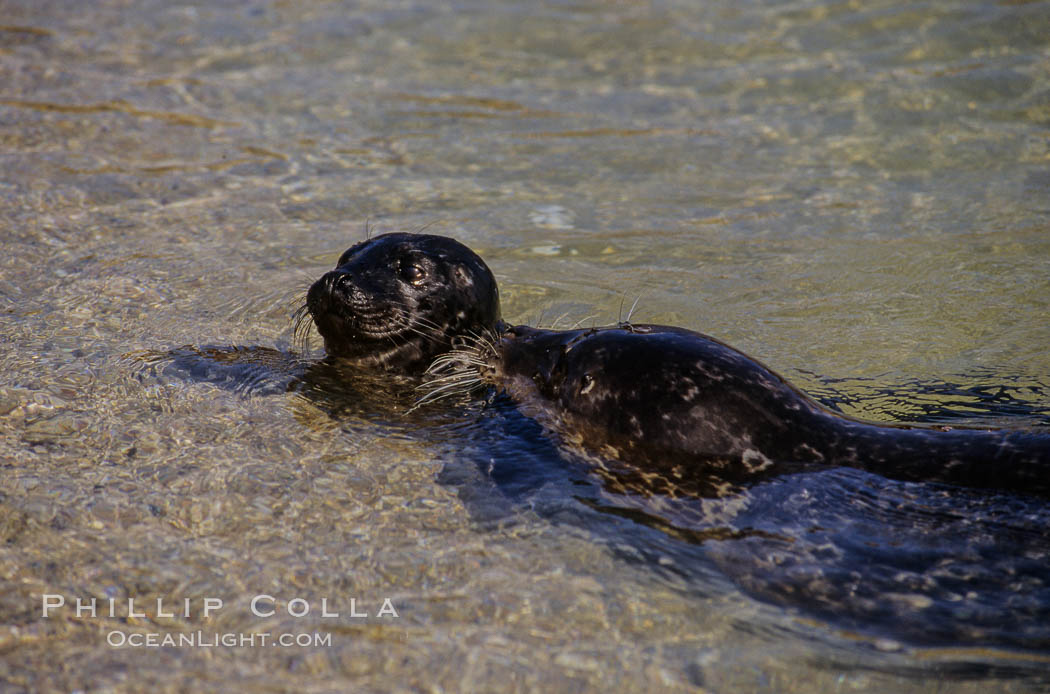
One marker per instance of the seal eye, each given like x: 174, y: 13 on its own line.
x: 413, y: 272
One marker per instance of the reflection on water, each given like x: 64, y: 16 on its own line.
x: 856, y: 195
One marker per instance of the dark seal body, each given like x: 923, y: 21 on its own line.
x: 685, y: 413
x: 396, y: 301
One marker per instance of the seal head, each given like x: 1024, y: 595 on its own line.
x: 396, y: 301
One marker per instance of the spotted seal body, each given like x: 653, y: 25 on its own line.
x: 686, y: 413
x: 398, y: 300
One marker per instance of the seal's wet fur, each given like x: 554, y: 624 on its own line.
x: 672, y: 411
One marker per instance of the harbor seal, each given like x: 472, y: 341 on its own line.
x: 668, y: 410
x: 396, y: 301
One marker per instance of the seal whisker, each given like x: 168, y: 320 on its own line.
x: 633, y: 306
x: 458, y: 366
x: 619, y: 314
x: 554, y: 325
x: 458, y: 386
x: 458, y: 374
x: 470, y: 345
x: 301, y: 328
x: 438, y: 385
x: 426, y: 226
x: 488, y: 339
x: 447, y: 391
x: 422, y: 326
x: 455, y: 359
x: 580, y: 322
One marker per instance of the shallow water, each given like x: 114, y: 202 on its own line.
x: 856, y: 194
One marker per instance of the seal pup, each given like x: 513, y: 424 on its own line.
x: 397, y: 301
x: 669, y: 410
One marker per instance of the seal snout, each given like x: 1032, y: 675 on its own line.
x: 336, y: 292
x: 338, y: 283
x: 321, y: 292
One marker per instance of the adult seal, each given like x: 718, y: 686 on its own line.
x: 667, y: 410
x: 397, y: 301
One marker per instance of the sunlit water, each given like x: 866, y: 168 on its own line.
x: 857, y: 194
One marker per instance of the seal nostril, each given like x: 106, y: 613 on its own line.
x: 337, y: 280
